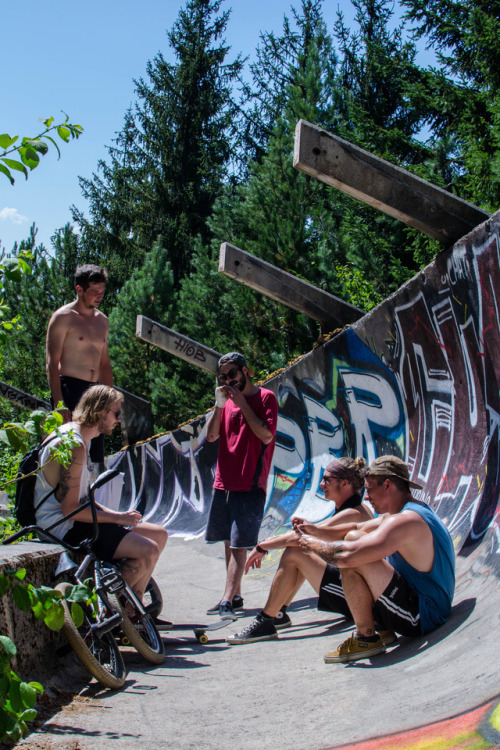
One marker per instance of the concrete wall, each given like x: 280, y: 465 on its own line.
x: 417, y: 377
x: 36, y: 645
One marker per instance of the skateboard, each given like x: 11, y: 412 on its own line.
x: 201, y: 633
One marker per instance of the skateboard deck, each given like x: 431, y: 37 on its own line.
x: 201, y: 633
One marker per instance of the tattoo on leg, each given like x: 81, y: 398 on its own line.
x: 129, y: 567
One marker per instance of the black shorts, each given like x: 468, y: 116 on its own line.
x: 236, y: 517
x: 72, y: 390
x: 331, y: 593
x: 398, y: 608
x: 106, y: 544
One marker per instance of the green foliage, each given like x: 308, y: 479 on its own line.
x: 29, y: 150
x: 18, y: 698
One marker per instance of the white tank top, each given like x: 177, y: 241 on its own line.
x: 51, y: 510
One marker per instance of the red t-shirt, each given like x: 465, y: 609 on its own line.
x: 244, y: 461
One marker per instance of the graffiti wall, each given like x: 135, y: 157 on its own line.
x: 417, y: 377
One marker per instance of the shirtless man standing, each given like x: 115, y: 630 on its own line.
x: 77, y: 347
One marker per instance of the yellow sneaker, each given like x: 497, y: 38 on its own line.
x: 388, y: 636
x: 355, y: 648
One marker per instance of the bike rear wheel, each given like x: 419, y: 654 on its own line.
x: 140, y: 629
x: 99, y: 653
x: 153, y: 598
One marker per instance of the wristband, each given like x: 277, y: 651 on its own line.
x: 261, y: 550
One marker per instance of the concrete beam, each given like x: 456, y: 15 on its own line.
x: 21, y: 398
x: 136, y: 419
x: 177, y: 344
x: 379, y: 183
x: 286, y: 288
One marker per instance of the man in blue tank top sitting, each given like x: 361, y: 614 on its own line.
x: 398, y: 576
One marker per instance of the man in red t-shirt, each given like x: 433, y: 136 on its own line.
x: 244, y: 419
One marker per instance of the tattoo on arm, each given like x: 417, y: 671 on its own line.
x: 63, y: 483
x: 328, y: 552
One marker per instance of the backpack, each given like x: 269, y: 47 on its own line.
x: 24, y: 504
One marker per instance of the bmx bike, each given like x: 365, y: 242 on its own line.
x: 113, y: 613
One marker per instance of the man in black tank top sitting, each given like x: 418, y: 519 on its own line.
x: 342, y: 481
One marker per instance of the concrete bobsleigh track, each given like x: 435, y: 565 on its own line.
x: 419, y: 377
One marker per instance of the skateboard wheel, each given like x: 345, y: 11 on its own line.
x: 203, y: 638
x: 124, y: 641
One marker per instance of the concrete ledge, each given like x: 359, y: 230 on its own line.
x: 36, y: 657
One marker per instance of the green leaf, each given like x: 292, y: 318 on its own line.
x: 17, y: 166
x: 15, y: 695
x: 8, y: 646
x: 28, y: 715
x: 28, y: 694
x: 22, y: 598
x: 54, y: 618
x: 5, y: 171
x: 4, y: 584
x: 36, y: 144
x: 64, y: 133
x: 6, y: 140
x: 77, y: 614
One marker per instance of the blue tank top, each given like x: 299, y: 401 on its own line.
x: 435, y: 589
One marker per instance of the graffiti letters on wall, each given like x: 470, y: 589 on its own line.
x: 416, y: 377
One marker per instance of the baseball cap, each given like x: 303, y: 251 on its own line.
x: 237, y: 359
x: 392, y: 466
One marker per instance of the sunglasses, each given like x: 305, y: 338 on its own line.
x: 228, y: 375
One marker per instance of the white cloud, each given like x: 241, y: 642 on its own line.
x: 12, y: 215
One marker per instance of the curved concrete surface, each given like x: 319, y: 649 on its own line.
x: 417, y: 377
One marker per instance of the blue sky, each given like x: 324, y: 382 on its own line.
x: 81, y: 58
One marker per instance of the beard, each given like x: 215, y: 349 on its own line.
x: 239, y: 384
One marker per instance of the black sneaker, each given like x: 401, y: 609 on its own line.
x: 282, y: 619
x: 226, y: 611
x: 260, y: 629
x: 237, y: 606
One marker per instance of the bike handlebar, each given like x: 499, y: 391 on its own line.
x: 102, y: 479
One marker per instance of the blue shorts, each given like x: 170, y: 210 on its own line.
x: 235, y: 517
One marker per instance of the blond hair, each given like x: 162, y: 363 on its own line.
x: 95, y: 402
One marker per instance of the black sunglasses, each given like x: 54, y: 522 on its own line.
x: 229, y: 375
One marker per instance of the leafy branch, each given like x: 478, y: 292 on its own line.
x: 18, y: 698
x: 29, y: 150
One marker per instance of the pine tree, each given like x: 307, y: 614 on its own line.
x: 462, y: 98
x: 169, y: 162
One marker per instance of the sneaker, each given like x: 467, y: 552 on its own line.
x: 260, y: 629
x: 282, y: 620
x: 355, y: 648
x: 226, y: 612
x: 388, y: 636
x: 237, y: 606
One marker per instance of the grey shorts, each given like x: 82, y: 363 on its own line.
x: 235, y: 517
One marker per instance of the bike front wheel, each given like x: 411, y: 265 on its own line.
x: 99, y: 653
x: 139, y: 628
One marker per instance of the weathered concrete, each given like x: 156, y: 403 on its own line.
x: 283, y: 287
x: 177, y: 344
x: 281, y: 694
x: 383, y: 185
x: 36, y: 657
